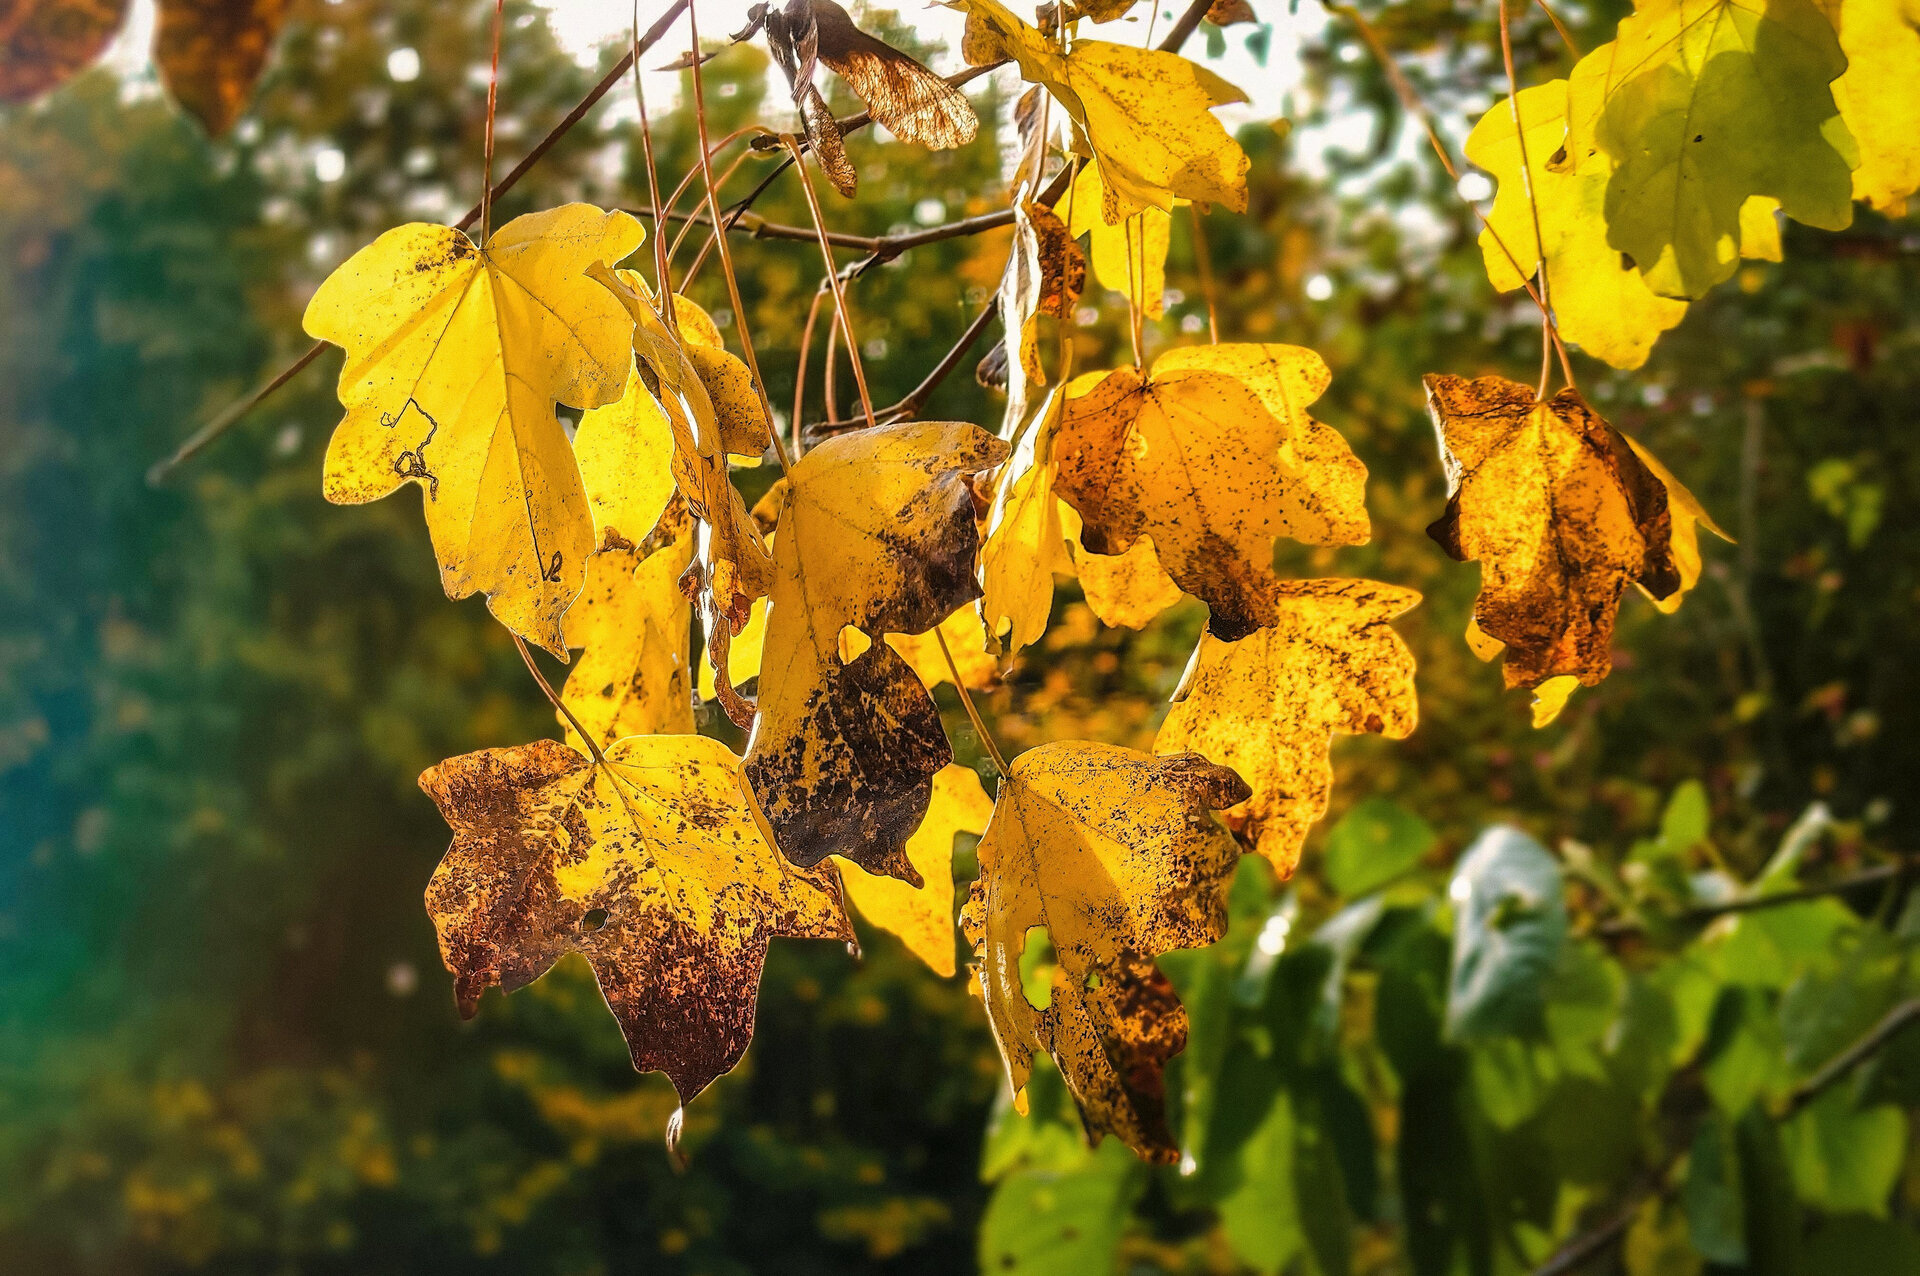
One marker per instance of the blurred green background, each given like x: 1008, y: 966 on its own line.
x: 226, y: 1043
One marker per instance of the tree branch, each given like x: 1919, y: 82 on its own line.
x: 1709, y: 912
x: 1837, y: 1068
x: 226, y: 419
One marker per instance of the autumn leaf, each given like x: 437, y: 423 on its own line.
x: 1269, y: 705
x: 456, y: 355
x: 1046, y: 271
x: 1213, y: 455
x: 1025, y: 541
x: 966, y: 639
x: 1700, y: 105
x: 1600, y: 301
x: 793, y: 39
x: 923, y: 916
x: 633, y: 621
x: 1144, y: 115
x: 1117, y: 855
x: 1562, y: 516
x: 1688, y: 516
x: 733, y: 565
x: 1129, y: 258
x: 1878, y: 96
x: 45, y: 43
x: 907, y: 99
x: 210, y: 52
x: 1126, y: 591
x: 876, y: 531
x: 651, y: 866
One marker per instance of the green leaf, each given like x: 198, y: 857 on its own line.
x: 1510, y: 924
x: 1259, y: 1218
x: 1047, y: 1137
x: 1374, y: 843
x: 1321, y: 1193
x: 1711, y: 1196
x: 1683, y: 825
x: 1857, y: 1244
x: 1042, y: 1222
x: 1845, y: 1159
x: 1742, y: 1052
x: 1766, y: 1186
x: 1701, y: 107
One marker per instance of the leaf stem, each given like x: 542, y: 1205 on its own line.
x: 553, y: 698
x: 973, y: 714
x: 493, y: 98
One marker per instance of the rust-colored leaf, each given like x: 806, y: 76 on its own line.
x: 651, y: 866
x: 913, y: 103
x: 1561, y: 515
x: 876, y: 531
x: 1117, y: 854
x: 210, y: 52
x: 1269, y: 705
x: 1213, y: 455
x: 45, y: 43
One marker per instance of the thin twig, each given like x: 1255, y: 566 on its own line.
x: 726, y: 255
x: 493, y: 99
x: 1703, y: 914
x: 966, y: 701
x: 1533, y: 208
x: 1837, y: 1068
x: 226, y: 419
x: 1203, y: 262
x: 553, y: 698
x: 842, y: 314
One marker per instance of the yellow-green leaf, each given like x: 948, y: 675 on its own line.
x: 1879, y: 96
x: 1130, y: 258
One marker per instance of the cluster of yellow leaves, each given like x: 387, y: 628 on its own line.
x: 1669, y: 153
x: 209, y: 52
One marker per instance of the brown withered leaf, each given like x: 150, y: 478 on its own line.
x: 652, y: 867
x: 913, y: 103
x: 793, y: 38
x: 1225, y: 13
x: 1269, y: 705
x: 1118, y: 855
x: 1046, y: 272
x: 210, y: 52
x: 1561, y: 515
x: 45, y: 43
x: 877, y: 532
x: 1213, y: 455
x: 633, y: 621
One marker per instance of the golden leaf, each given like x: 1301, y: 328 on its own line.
x: 652, y: 867
x: 923, y: 917
x: 1118, y: 856
x: 1878, y: 96
x: 1124, y: 590
x: 1688, y: 516
x: 1144, y: 115
x: 1562, y: 516
x: 966, y: 638
x: 876, y: 531
x: 633, y: 622
x: 455, y: 357
x: 1026, y: 543
x: 733, y: 566
x: 1130, y: 258
x: 210, y: 52
x: 911, y: 102
x: 1214, y: 456
x: 1046, y: 271
x: 1269, y: 705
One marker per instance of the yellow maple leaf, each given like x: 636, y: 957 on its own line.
x: 966, y: 638
x: 875, y: 531
x: 923, y: 916
x: 1124, y: 590
x: 652, y: 867
x: 456, y: 355
x: 1269, y: 705
x: 1144, y: 116
x: 1562, y: 516
x: 1214, y: 456
x: 1688, y: 516
x: 1130, y: 258
x: 1879, y: 97
x: 632, y: 622
x: 1116, y: 854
